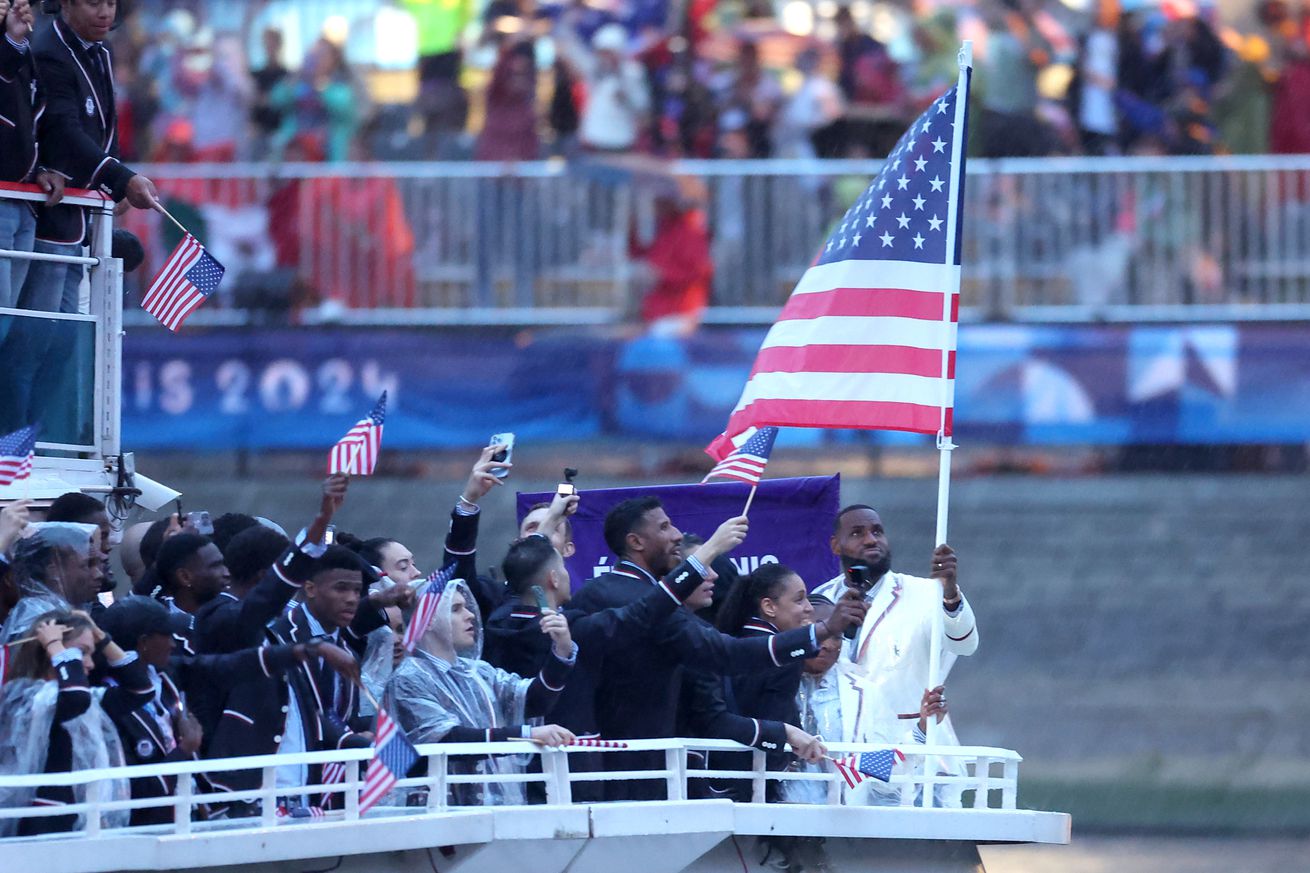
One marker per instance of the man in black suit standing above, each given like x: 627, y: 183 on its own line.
x: 78, y: 138
x: 79, y: 141
x: 22, y: 105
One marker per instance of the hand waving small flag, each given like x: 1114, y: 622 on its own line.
x: 16, y: 451
x: 433, y: 587
x: 746, y: 464
x: 356, y: 453
x: 393, y: 756
x: 854, y: 768
x: 188, y: 278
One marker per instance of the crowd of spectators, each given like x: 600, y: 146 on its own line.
x: 229, y: 638
x: 531, y: 81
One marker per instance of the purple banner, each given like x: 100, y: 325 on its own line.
x: 791, y: 520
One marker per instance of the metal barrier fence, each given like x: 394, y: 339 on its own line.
x: 1074, y: 238
x: 974, y: 764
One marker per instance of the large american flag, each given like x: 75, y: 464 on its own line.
x: 393, y: 755
x: 16, y: 451
x: 867, y: 339
x: 746, y: 464
x: 356, y: 453
x: 853, y: 768
x: 186, y: 280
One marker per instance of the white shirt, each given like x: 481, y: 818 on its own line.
x: 293, y: 733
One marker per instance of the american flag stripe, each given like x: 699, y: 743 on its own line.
x: 846, y: 767
x: 893, y: 416
x: 838, y: 388
x: 184, y: 304
x: 838, y: 358
x: 334, y: 772
x: 749, y: 475
x: 4, y: 663
x: 597, y: 743
x: 836, y: 297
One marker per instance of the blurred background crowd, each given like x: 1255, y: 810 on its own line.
x: 523, y: 79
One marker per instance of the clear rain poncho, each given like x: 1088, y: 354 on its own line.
x: 27, y: 712
x: 36, y: 569
x: 439, y: 688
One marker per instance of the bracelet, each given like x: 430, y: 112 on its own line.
x: 102, y: 644
x: 464, y: 500
x: 953, y: 604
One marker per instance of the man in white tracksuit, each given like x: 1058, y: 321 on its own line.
x: 889, y: 656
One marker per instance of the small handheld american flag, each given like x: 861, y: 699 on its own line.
x: 16, y: 452
x: 4, y: 663
x: 746, y: 464
x: 356, y: 453
x: 187, y: 279
x: 597, y: 743
x: 426, y: 608
x: 393, y: 755
x: 879, y: 764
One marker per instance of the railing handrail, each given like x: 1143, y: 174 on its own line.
x: 255, y: 762
x: 72, y: 196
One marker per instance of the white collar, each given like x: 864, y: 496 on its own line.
x: 316, y: 629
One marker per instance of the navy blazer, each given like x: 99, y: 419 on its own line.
x: 79, y: 133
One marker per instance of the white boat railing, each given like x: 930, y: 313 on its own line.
x: 991, y: 774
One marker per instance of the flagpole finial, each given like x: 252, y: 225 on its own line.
x: 965, y: 57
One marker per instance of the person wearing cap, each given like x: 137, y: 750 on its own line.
x: 165, y: 730
x: 617, y: 96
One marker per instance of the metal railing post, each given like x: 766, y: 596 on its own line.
x: 555, y: 766
x: 93, y: 792
x: 436, y: 782
x: 182, y: 805
x: 982, y: 772
x: 1010, y: 793
x: 675, y: 762
x: 350, y: 790
x: 268, y: 797
x: 759, y: 766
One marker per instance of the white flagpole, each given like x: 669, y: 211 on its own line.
x: 944, y: 443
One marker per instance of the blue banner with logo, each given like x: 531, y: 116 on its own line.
x: 790, y: 522
x: 284, y: 388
